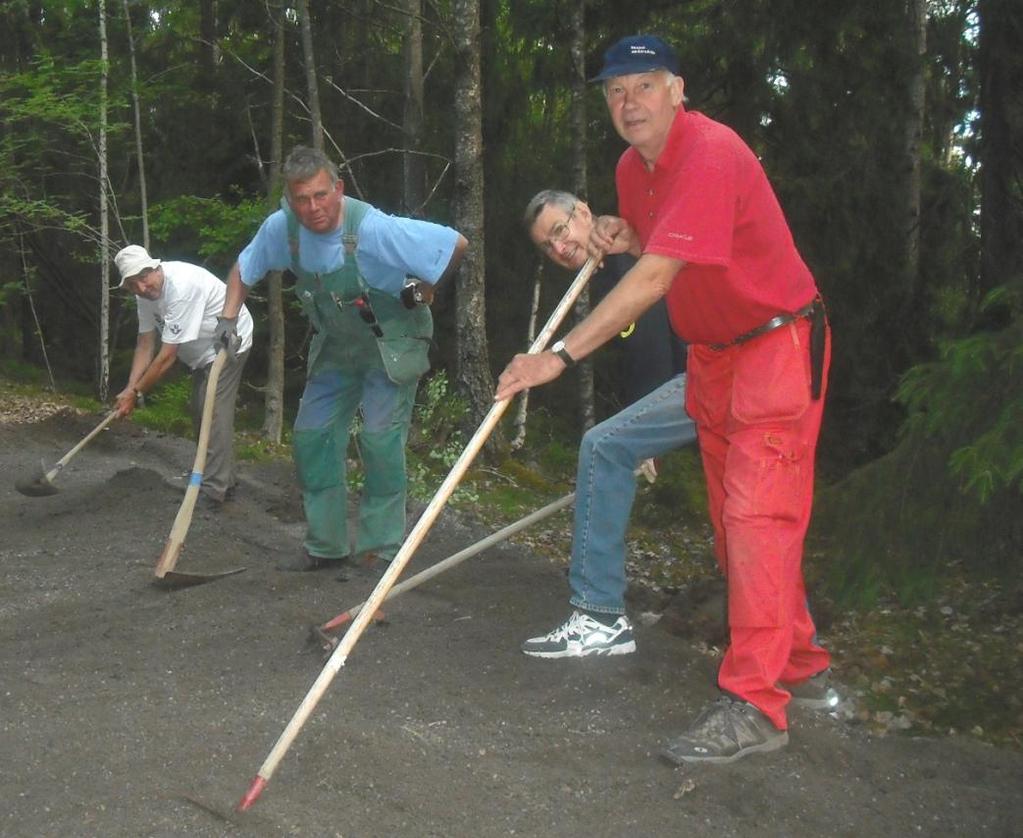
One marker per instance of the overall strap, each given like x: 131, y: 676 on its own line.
x: 355, y: 212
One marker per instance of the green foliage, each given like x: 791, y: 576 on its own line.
x: 21, y: 372
x: 950, y: 491
x: 435, y: 442
x: 680, y: 491
x: 60, y: 93
x: 252, y: 448
x: 210, y: 227
x: 972, y: 401
x: 167, y: 408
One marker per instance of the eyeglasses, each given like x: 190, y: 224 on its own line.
x: 559, y: 232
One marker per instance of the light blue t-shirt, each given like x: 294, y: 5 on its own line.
x: 389, y: 248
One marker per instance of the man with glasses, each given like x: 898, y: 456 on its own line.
x: 372, y: 327
x: 560, y: 224
x: 709, y: 235
x: 179, y: 303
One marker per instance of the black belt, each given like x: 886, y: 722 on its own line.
x: 814, y: 311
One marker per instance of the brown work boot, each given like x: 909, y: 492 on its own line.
x: 725, y: 731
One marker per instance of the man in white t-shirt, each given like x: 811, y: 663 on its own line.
x: 181, y: 302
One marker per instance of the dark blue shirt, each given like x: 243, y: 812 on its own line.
x: 652, y: 352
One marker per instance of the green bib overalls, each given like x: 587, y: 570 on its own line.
x: 346, y: 371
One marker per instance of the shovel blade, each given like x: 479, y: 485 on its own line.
x: 174, y: 580
x: 38, y: 486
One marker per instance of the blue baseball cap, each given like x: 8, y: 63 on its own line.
x: 637, y: 54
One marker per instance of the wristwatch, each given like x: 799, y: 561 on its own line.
x: 558, y: 348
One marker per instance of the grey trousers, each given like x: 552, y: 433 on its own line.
x: 218, y: 475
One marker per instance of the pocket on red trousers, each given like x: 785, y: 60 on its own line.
x: 772, y: 377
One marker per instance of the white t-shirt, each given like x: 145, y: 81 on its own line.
x: 186, y: 313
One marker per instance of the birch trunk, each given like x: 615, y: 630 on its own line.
x: 523, y: 412
x: 273, y: 396
x: 310, y: 75
x: 414, y: 176
x: 143, y: 197
x: 104, y: 216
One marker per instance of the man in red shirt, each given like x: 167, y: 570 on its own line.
x: 698, y: 212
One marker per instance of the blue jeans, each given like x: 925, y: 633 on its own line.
x: 606, y: 487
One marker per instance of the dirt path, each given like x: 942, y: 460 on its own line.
x: 131, y: 711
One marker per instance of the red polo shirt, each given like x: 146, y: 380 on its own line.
x: 709, y: 203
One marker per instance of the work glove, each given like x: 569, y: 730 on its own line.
x: 225, y: 335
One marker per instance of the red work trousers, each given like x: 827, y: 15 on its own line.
x: 758, y: 427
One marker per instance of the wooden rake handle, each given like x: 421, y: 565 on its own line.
x: 63, y: 461
x: 183, y: 520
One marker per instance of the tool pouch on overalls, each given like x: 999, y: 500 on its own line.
x: 405, y: 340
x: 818, y: 340
x: 405, y: 359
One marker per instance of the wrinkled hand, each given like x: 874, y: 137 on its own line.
x: 527, y: 370
x: 124, y: 402
x: 225, y: 335
x: 611, y: 234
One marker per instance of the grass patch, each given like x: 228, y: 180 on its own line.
x: 166, y: 408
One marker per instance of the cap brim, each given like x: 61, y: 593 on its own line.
x: 626, y: 70
x: 153, y: 267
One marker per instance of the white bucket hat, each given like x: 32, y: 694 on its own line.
x: 133, y: 260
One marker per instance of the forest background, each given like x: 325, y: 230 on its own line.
x: 890, y: 129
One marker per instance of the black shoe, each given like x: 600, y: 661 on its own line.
x: 374, y: 564
x: 306, y: 562
x: 208, y: 503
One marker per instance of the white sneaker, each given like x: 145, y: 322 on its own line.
x: 580, y: 636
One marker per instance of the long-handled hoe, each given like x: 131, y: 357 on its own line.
x: 412, y: 542
x: 323, y: 636
x: 41, y: 484
x: 166, y: 575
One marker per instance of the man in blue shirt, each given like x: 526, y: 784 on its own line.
x: 364, y: 280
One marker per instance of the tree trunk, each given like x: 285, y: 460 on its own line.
x: 470, y: 313
x: 104, y: 219
x: 209, y: 46
x: 917, y: 21
x: 580, y: 185
x: 415, y: 181
x: 523, y: 412
x: 310, y: 75
x: 273, y: 396
x: 143, y: 199
x: 1001, y: 69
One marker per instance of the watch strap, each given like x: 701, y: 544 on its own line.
x: 559, y: 349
